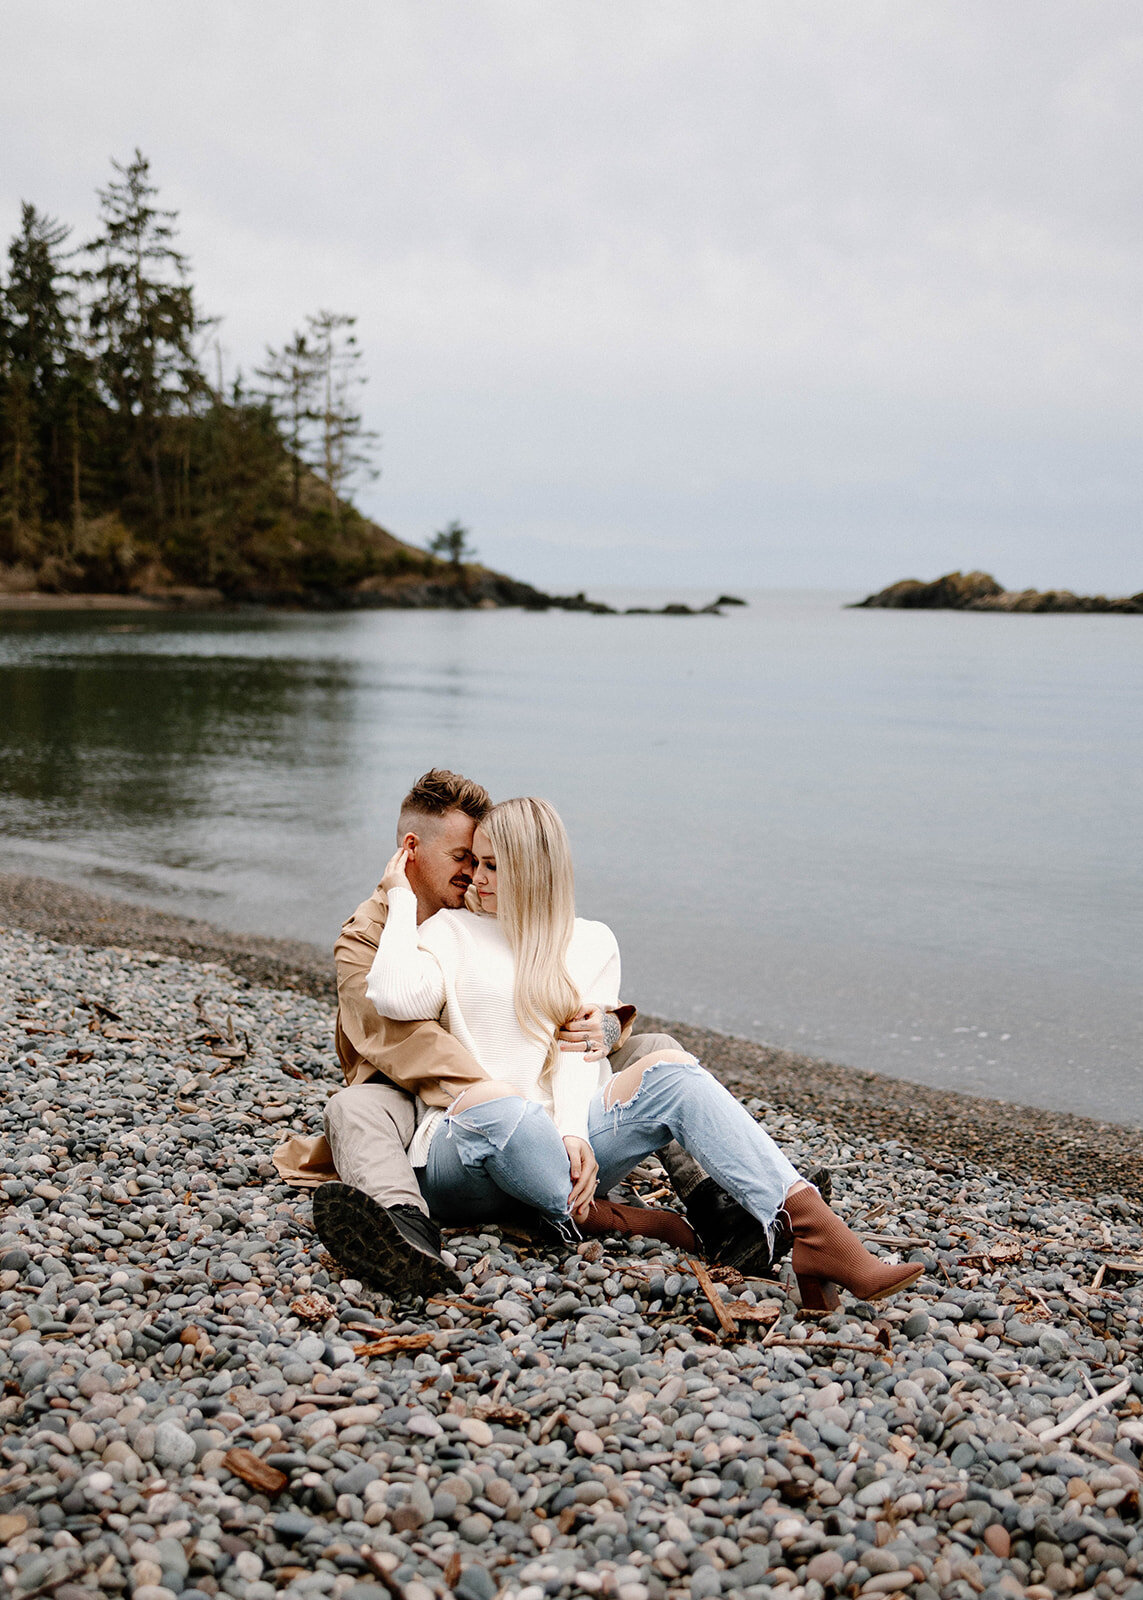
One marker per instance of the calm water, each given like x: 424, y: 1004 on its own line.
x: 905, y: 841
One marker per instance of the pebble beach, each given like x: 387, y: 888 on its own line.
x: 195, y: 1402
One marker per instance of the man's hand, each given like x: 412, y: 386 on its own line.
x: 585, y: 1031
x: 394, y: 876
x: 584, y: 1173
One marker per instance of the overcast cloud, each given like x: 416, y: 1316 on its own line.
x: 715, y: 295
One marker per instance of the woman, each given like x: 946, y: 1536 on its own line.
x: 503, y: 976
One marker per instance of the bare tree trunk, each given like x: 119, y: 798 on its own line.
x: 156, y: 482
x: 76, y: 503
x: 328, y: 439
x: 296, y: 449
x: 17, y: 482
x: 186, y: 476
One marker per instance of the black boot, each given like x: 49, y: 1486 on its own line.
x: 732, y: 1237
x: 395, y: 1249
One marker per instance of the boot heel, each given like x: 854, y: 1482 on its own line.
x: 819, y: 1295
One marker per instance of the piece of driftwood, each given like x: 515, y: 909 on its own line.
x: 253, y: 1470
x: 1087, y: 1409
x: 312, y: 1306
x: 725, y: 1321
x: 463, y: 1305
x: 1104, y: 1454
x: 487, y: 1409
x: 767, y: 1311
x: 85, y: 1004
x: 824, y: 1344
x: 374, y: 1561
x: 395, y: 1341
x: 551, y: 1423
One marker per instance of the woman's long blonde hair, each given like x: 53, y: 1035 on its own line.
x: 535, y: 905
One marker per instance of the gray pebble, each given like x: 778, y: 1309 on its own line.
x: 173, y: 1445
x: 454, y: 1450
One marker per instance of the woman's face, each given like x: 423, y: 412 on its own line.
x: 484, y: 874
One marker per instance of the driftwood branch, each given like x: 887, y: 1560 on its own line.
x: 375, y: 1564
x: 396, y: 1341
x: 1104, y: 1454
x: 725, y: 1321
x: 1081, y: 1413
x: 824, y: 1344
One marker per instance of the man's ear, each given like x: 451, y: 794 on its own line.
x: 409, y: 842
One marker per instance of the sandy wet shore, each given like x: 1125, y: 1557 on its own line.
x: 1018, y: 1141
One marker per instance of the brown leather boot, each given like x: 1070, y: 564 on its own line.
x: 827, y: 1253
x: 607, y: 1216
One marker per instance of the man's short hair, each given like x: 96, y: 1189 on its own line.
x: 439, y: 792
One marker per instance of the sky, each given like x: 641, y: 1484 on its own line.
x: 823, y: 293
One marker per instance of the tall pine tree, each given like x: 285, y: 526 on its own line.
x: 290, y: 381
x: 144, y: 325
x: 121, y: 468
x: 344, y: 444
x: 38, y: 369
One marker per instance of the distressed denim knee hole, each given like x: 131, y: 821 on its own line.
x: 488, y: 1125
x: 661, y: 1069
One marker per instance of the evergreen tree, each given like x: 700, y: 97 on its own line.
x: 144, y: 324
x: 120, y: 466
x: 452, y: 545
x: 291, y: 378
x: 37, y: 364
x: 344, y: 444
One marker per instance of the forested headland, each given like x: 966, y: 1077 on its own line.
x: 130, y: 465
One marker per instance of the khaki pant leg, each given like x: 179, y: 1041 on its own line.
x: 683, y: 1170
x: 370, y: 1127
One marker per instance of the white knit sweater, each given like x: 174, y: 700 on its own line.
x: 458, y: 966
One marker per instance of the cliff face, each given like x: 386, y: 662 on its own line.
x: 979, y: 591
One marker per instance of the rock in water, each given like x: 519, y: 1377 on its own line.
x: 979, y: 591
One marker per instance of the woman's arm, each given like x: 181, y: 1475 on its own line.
x: 604, y: 992
x: 574, y: 1079
x: 405, y: 982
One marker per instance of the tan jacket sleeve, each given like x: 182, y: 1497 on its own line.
x: 421, y: 1057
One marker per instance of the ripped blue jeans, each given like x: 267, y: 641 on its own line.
x: 486, y: 1160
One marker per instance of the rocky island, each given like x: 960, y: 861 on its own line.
x: 979, y: 591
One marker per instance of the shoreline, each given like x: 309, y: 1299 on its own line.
x: 1019, y: 1142
x: 109, y: 602
x: 500, y: 594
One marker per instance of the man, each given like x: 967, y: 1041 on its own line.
x: 372, y: 1218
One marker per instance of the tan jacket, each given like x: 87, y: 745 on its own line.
x: 421, y: 1057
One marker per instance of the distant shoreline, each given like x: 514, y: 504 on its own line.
x: 191, y: 601
x: 1078, y: 1153
x: 112, y: 602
